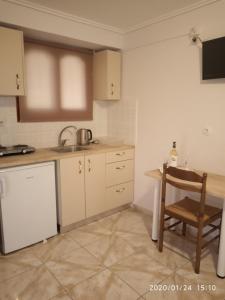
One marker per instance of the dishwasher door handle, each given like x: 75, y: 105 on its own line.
x: 2, y: 187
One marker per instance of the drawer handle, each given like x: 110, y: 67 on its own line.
x: 120, y: 168
x: 120, y: 190
x: 17, y: 82
x: 89, y: 165
x: 120, y: 153
x: 80, y: 167
x: 112, y: 89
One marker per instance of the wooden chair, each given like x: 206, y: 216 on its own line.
x: 187, y: 210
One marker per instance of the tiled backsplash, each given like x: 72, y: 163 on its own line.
x: 44, y: 134
x: 122, y: 120
x: 113, y: 119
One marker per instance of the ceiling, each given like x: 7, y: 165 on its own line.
x: 122, y: 14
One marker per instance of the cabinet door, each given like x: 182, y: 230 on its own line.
x: 113, y: 75
x: 95, y: 184
x: 11, y: 62
x: 107, y: 70
x: 71, y: 190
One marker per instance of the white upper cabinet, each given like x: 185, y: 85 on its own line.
x: 11, y: 62
x: 107, y: 75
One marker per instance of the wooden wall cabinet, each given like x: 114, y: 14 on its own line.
x: 11, y: 62
x: 107, y: 75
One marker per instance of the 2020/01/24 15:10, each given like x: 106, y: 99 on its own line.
x: 181, y: 287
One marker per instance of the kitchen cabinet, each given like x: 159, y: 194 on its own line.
x: 11, y: 62
x: 71, y: 190
x: 107, y: 75
x: 119, y: 195
x: 119, y: 178
x: 91, y: 184
x: 95, y: 184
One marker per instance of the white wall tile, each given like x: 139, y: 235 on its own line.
x: 44, y: 134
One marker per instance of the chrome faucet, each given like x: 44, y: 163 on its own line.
x: 62, y: 142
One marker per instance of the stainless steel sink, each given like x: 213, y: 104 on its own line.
x: 65, y: 149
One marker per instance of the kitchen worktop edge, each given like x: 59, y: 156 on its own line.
x: 46, y: 154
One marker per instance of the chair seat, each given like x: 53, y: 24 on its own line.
x: 187, y: 210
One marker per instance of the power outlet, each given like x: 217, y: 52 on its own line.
x: 207, y: 131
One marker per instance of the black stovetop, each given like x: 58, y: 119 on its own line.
x: 15, y: 149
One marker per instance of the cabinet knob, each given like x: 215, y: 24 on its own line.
x: 17, y: 82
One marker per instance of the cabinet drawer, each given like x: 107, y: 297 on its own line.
x: 119, y: 155
x: 119, y: 195
x: 119, y: 172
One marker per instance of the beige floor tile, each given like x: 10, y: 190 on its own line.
x: 75, y: 267
x: 176, y: 287
x: 37, y: 284
x: 110, y: 249
x: 169, y: 258
x: 103, y: 286
x: 138, y: 234
x: 91, y: 233
x: 140, y: 270
x: 207, y: 277
x: 17, y: 263
x: 140, y: 240
x: 179, y: 245
x: 126, y: 219
x: 55, y: 247
x: 141, y: 228
x: 62, y: 296
x: 103, y: 226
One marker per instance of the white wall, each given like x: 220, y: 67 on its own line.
x: 64, y: 26
x: 162, y: 73
x: 44, y: 134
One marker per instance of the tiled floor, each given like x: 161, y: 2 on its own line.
x: 112, y: 259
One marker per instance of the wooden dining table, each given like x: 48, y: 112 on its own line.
x: 215, y: 186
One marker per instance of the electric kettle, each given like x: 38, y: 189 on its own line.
x: 84, y: 136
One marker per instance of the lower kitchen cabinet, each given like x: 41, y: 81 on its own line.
x: 71, y: 190
x: 95, y: 168
x: 119, y: 195
x: 91, y: 184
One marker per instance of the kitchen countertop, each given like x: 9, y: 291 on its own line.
x: 46, y: 154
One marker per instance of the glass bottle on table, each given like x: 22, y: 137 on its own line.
x: 173, y: 156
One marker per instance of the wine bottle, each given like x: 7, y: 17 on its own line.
x: 173, y: 156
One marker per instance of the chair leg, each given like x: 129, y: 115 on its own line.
x: 198, y: 248
x: 161, y: 230
x: 184, y: 229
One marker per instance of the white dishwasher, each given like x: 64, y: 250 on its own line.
x: 27, y: 205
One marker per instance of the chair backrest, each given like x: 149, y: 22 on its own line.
x: 184, y: 180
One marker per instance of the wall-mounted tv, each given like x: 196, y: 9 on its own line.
x: 213, y: 59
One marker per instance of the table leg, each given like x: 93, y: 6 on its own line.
x: 156, y: 206
x: 221, y: 258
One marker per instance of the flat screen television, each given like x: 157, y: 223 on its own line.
x: 213, y: 59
